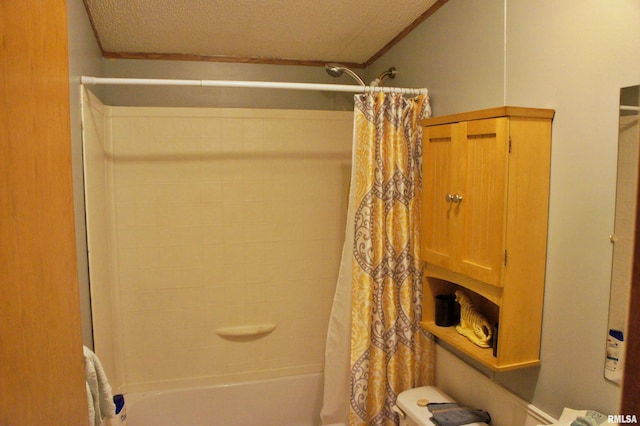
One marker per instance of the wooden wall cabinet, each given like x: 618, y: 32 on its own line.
x: 485, y: 203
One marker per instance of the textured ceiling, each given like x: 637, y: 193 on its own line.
x: 348, y: 31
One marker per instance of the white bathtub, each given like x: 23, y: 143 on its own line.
x: 287, y: 401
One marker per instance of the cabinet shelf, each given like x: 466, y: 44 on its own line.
x: 482, y: 355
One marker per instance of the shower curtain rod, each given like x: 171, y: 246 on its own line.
x: 629, y: 108
x: 251, y: 84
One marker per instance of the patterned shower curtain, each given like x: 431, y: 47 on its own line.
x: 389, y: 352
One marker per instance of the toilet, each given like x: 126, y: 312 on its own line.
x: 412, y: 414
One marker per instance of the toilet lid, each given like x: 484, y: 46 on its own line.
x: 408, y: 402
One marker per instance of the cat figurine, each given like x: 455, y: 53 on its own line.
x: 473, y: 325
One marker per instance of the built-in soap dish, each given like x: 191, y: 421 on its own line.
x: 245, y: 331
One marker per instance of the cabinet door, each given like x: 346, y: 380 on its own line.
x: 437, y: 212
x: 481, y: 163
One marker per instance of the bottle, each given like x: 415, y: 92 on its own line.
x: 615, y: 352
x: 120, y: 419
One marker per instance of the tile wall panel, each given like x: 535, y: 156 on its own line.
x: 226, y: 218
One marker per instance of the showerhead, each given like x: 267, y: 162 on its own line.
x: 336, y: 70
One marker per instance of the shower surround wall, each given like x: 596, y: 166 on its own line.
x: 216, y: 218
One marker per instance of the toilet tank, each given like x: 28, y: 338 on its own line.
x: 411, y: 405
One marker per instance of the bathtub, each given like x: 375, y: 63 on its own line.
x: 286, y: 401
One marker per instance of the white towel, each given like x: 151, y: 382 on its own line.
x: 92, y: 410
x: 99, y: 396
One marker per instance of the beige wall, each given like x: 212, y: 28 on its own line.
x: 581, y: 57
x: 84, y: 59
x: 221, y: 218
x: 458, y: 54
x: 572, y: 56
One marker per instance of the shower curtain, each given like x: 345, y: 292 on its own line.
x: 374, y: 322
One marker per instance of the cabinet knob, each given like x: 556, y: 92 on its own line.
x: 453, y: 198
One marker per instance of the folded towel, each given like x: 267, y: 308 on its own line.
x: 571, y: 417
x: 452, y: 414
x: 590, y: 418
x: 99, y: 396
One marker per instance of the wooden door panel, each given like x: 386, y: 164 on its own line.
x: 42, y: 370
x: 437, y: 183
x: 482, y: 168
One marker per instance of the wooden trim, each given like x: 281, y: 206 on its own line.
x: 505, y: 111
x: 489, y: 292
x: 222, y: 58
x: 630, y: 403
x: 433, y: 9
